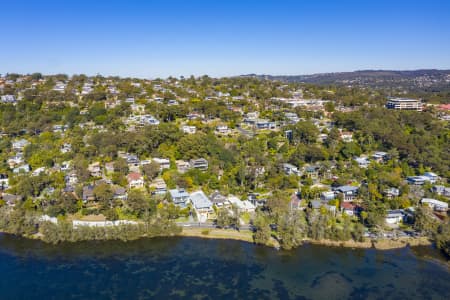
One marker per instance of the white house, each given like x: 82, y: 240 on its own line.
x: 164, y: 163
x: 189, y: 129
x: 182, y: 166
x: 135, y: 180
x: 362, y: 161
x: 20, y: 144
x: 290, y: 169
x: 435, y: 204
x: 394, y: 217
x: 202, y: 205
x: 95, y: 169
x: 23, y: 168
x: 243, y: 206
x: 222, y: 129
x: 432, y: 177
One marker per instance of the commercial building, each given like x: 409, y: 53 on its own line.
x: 404, y: 104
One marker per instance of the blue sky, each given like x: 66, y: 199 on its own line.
x: 220, y: 38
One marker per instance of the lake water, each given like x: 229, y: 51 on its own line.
x: 190, y: 268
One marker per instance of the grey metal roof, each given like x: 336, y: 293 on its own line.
x: 200, y: 200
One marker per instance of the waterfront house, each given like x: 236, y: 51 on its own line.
x: 242, y: 206
x: 394, y: 217
x: 202, y: 206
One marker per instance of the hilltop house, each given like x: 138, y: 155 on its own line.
x: 182, y: 166
x: 441, y: 190
x: 435, y: 204
x: 164, y: 163
x: 200, y: 163
x: 348, y: 192
x: 4, y: 182
x: 20, y: 144
x: 380, y: 156
x: 109, y: 167
x: 290, y: 169
x: 222, y: 129
x: 95, y: 169
x: 189, y: 129
x: 312, y: 172
x: 22, y: 169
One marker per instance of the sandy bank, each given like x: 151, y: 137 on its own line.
x: 242, y: 235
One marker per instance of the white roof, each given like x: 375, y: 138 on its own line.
x: 245, y: 205
x: 434, y: 202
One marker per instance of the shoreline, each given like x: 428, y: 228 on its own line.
x: 246, y: 236
x: 382, y: 244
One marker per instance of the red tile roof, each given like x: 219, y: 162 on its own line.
x: 134, y: 176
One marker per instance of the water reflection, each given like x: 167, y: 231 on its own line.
x: 177, y: 268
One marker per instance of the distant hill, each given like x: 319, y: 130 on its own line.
x: 374, y: 78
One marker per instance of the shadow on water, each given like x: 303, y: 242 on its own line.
x: 186, y: 268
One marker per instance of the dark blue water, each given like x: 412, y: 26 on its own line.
x: 176, y: 268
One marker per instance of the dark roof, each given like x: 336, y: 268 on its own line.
x: 217, y: 197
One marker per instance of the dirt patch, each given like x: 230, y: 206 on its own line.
x: 218, y: 234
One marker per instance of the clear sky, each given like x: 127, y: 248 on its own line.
x: 182, y: 37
